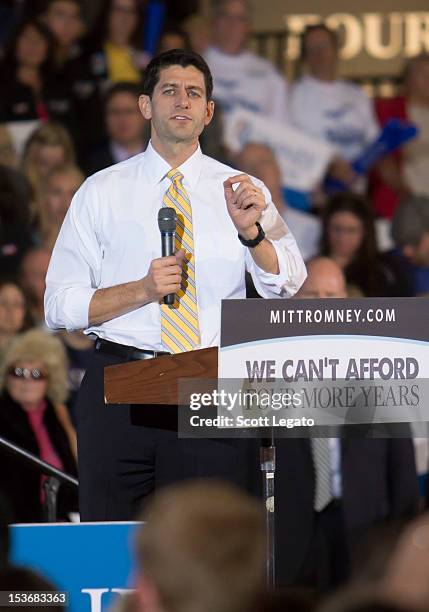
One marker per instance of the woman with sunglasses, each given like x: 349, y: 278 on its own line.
x: 33, y: 382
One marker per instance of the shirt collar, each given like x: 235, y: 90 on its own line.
x: 156, y: 167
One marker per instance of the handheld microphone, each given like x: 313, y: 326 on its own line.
x: 167, y: 220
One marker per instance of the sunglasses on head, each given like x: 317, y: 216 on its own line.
x: 34, y: 373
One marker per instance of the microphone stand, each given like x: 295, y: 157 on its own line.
x: 268, y: 467
x: 55, y: 477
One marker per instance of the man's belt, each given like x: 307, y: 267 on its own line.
x: 127, y: 352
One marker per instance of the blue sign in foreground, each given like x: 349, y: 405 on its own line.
x: 93, y: 562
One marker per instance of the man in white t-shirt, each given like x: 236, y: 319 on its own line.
x: 241, y: 78
x: 327, y: 107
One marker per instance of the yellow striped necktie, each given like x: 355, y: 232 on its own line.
x: 180, y: 329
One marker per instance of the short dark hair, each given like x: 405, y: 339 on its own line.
x: 313, y: 28
x: 175, y: 31
x: 9, y: 64
x: 361, y: 271
x: 123, y: 87
x: 175, y: 57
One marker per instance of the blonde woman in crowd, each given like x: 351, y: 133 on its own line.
x: 33, y: 383
x: 48, y: 147
x: 57, y: 193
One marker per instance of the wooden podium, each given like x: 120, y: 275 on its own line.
x: 155, y: 381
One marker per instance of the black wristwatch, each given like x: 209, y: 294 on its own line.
x: 255, y: 241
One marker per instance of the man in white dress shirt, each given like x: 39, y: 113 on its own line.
x: 107, y: 277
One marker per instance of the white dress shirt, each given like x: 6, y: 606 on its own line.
x: 110, y: 236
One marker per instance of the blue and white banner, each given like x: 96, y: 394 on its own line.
x: 92, y: 562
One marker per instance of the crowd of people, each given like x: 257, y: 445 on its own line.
x: 68, y: 109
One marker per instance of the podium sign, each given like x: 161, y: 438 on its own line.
x: 339, y: 361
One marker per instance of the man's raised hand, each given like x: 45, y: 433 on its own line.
x: 245, y: 204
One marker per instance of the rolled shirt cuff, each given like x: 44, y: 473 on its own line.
x: 69, y: 308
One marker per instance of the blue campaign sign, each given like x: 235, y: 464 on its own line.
x: 93, y: 562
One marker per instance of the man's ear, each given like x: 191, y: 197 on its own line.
x: 145, y: 106
x: 209, y: 112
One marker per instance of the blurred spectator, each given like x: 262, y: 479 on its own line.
x: 33, y: 273
x: 115, y: 43
x: 361, y: 599
x: 189, y: 563
x: 405, y: 171
x: 375, y: 552
x: 33, y: 380
x: 14, y: 578
x: 325, y: 279
x: 127, y: 130
x: 348, y: 237
x: 59, y: 189
x: 199, y: 32
x: 343, y: 115
x: 406, y: 581
x: 31, y: 90
x: 64, y: 20
x: 369, y: 481
x: 112, y: 54
x: 79, y: 348
x: 410, y: 231
x: 48, y: 147
x: 24, y: 73
x: 259, y: 161
x: 12, y: 13
x: 127, y: 602
x: 12, y: 312
x: 416, y: 154
x: 72, y: 74
x: 15, y: 235
x: 241, y: 78
x: 173, y: 38
x: 8, y: 156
